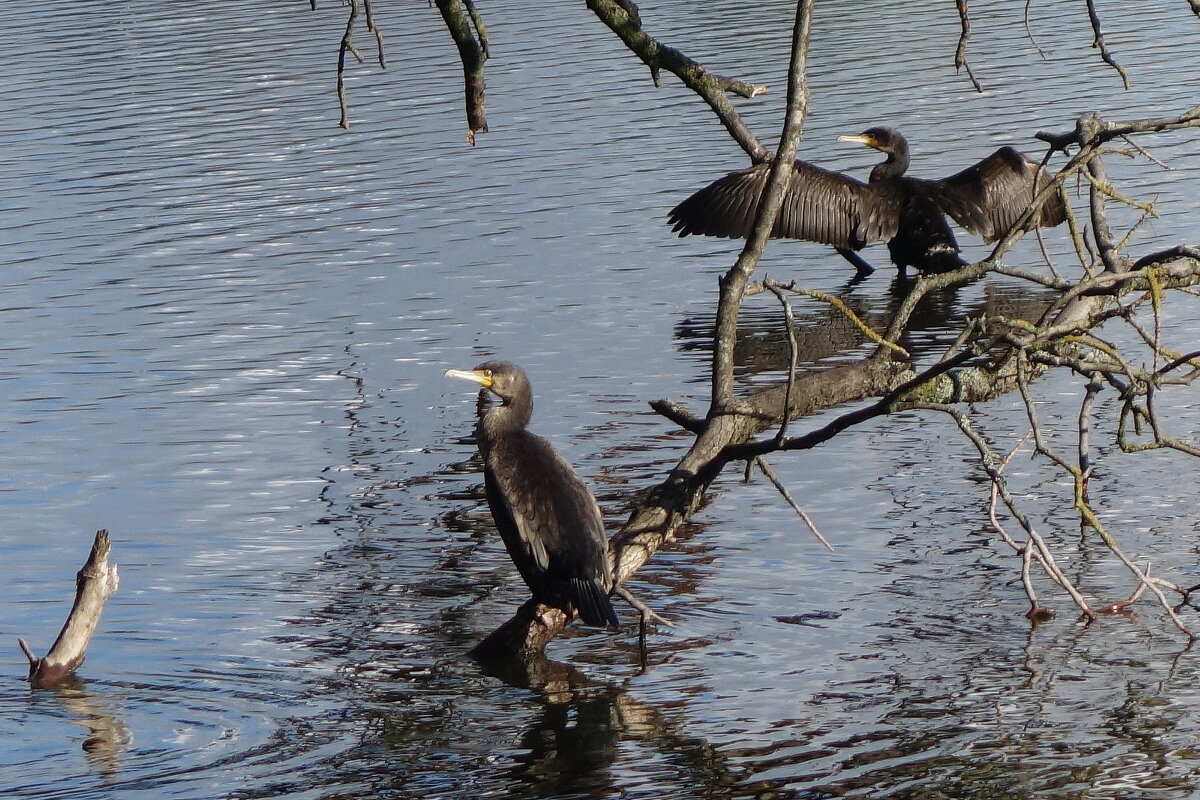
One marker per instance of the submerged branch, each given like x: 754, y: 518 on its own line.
x: 95, y: 583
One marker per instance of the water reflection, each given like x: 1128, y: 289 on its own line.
x: 827, y: 336
x: 930, y: 735
x: 571, y: 747
x: 107, y: 734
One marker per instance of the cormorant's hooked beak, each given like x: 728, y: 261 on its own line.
x: 481, y: 376
x: 860, y: 138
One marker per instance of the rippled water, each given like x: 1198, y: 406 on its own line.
x: 223, y: 327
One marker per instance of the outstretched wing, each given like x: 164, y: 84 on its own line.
x: 990, y: 196
x: 818, y: 206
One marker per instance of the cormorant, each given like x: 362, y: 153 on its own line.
x: 908, y: 213
x: 549, y: 521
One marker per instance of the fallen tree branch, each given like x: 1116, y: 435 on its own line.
x: 994, y: 355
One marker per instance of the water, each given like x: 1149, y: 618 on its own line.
x: 224, y: 323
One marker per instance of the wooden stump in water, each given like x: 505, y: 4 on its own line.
x: 95, y: 583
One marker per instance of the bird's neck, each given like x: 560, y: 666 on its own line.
x: 895, y: 166
x: 506, y: 417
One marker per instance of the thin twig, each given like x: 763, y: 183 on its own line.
x: 1029, y: 30
x: 793, y: 356
x: 646, y: 611
x: 347, y: 46
x: 1099, y: 42
x: 1091, y: 389
x: 960, y: 52
x: 374, y: 28
x: 837, y: 303
x: 770, y: 473
x: 989, y: 461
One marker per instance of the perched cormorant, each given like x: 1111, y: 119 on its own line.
x: 908, y: 213
x: 549, y: 521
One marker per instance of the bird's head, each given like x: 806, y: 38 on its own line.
x: 884, y: 139
x: 502, y: 378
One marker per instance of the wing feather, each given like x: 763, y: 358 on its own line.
x: 818, y: 206
x: 988, y: 197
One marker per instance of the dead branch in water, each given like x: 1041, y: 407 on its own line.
x: 94, y: 584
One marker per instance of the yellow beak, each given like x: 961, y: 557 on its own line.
x: 483, y: 378
x: 859, y: 138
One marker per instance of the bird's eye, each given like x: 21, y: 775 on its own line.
x: 487, y: 373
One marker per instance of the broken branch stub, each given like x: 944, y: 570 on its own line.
x: 94, y: 584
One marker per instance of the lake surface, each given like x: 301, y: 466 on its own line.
x: 223, y: 330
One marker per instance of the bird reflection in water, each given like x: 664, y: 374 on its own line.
x: 583, y: 728
x: 908, y: 213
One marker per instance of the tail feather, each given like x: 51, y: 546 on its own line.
x: 593, y: 604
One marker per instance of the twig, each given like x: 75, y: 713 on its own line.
x: 480, y: 30
x: 793, y: 355
x: 1145, y: 153
x: 1093, y: 520
x: 989, y: 461
x: 646, y: 611
x: 960, y: 52
x: 1029, y: 30
x: 770, y: 473
x: 374, y: 28
x: 712, y: 88
x: 647, y: 615
x: 1027, y: 551
x: 775, y: 287
x: 679, y: 415
x: 1099, y: 42
x: 347, y: 46
x: 1092, y: 389
x: 1170, y: 254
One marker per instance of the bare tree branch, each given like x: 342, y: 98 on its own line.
x: 960, y: 52
x: 1099, y: 42
x: 713, y: 89
x: 459, y: 18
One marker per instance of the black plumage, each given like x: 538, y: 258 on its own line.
x: 549, y: 521
x: 908, y: 213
